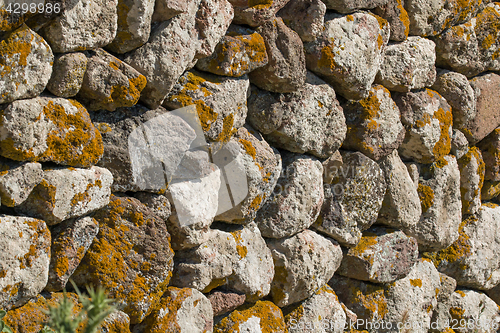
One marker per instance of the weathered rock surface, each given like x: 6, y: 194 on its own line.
x: 490, y: 149
x: 349, y: 6
x: 331, y: 166
x: 472, y: 169
x: 459, y: 144
x: 397, y: 17
x: 305, y: 17
x: 256, y: 13
x: 17, y: 180
x: 166, y: 9
x: 224, y: 302
x: 349, y: 52
x: 117, y: 322
x: 373, y: 124
x: 158, y: 203
x: 490, y: 190
x: 67, y: 74
x: 303, y: 264
x: 24, y: 259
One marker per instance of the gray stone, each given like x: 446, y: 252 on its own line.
x: 305, y: 17
x: 472, y: 169
x: 67, y: 74
x: 259, y: 317
x: 490, y: 146
x: 331, y: 167
x: 166, y: 9
x: 459, y: 144
x: 158, y: 203
x: 256, y: 13
x: 349, y: 6
x: 17, y: 180
x: 397, y: 17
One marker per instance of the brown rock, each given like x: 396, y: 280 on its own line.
x: 224, y: 302
x: 306, y: 17
x: 490, y: 149
x: 255, y: 13
x: 67, y: 74
x: 394, y: 12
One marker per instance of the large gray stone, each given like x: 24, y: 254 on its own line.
x: 67, y: 74
x: 256, y: 13
x: 306, y: 17
x: 17, y: 180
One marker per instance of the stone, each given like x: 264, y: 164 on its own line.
x: 49, y: 129
x: 490, y: 190
x: 305, y: 17
x: 331, y: 167
x: 17, y: 180
x: 321, y: 312
x: 303, y: 264
x: 490, y: 149
x: 130, y: 257
x: 286, y: 67
x: 353, y: 199
x: 373, y: 124
x: 11, y: 20
x: 182, y: 310
x: 224, y: 302
x: 133, y: 25
x: 117, y: 322
x: 397, y: 17
x: 240, y: 51
x: 296, y: 200
x: 401, y: 206
x: 472, y: 170
x: 109, y: 83
x: 70, y: 241
x: 221, y: 102
x: 158, y: 203
x: 408, y: 65
x: 307, y: 121
x: 256, y: 13
x: 26, y: 65
x: 349, y: 6
x: 459, y: 144
x: 349, y: 52
x: 24, y: 259
x: 428, y: 121
x: 83, y: 25
x: 472, y: 259
x: 458, y: 92
x: 259, y: 317
x: 67, y: 74
x: 381, y: 256
x: 66, y: 193
x: 166, y: 9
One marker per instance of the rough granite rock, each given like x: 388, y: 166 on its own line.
x: 331, y: 167
x: 224, y: 302
x: 320, y: 313
x: 459, y: 144
x: 66, y: 193
x: 303, y: 264
x: 83, y: 25
x: 166, y: 9
x: 490, y: 149
x: 350, y: 6
x: 471, y: 48
x: 256, y: 13
x: 472, y: 170
x: 158, y: 203
x: 239, y: 52
x: 49, y: 130
x: 401, y: 206
x: 25, y: 65
x: 70, y: 241
x: 307, y: 121
x: 428, y: 121
x: 408, y: 65
x: 17, y: 180
x: 286, y: 68
x: 131, y: 257
x: 24, y: 259
x: 296, y: 200
x: 397, y: 17
x: 180, y: 310
x: 305, y: 17
x: 67, y: 74
x: 352, y: 200
x: 117, y: 322
x: 373, y: 124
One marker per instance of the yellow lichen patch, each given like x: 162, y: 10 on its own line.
x: 260, y: 4
x: 403, y: 17
x: 255, y: 205
x: 366, y: 242
x: 426, y: 196
x: 373, y: 300
x: 443, y: 146
x: 240, y: 244
x: 14, y: 50
x: 456, y: 312
x: 416, y: 283
x: 227, y: 129
x: 327, y: 59
x: 488, y: 26
x: 425, y: 120
x: 214, y: 284
x: 249, y: 148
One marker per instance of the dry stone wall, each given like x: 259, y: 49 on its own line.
x: 253, y: 165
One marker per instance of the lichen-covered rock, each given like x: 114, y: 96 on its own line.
x: 490, y: 190
x: 66, y: 193
x: 401, y: 206
x: 428, y: 121
x: 12, y: 19
x: 17, y: 180
x: 109, y: 83
x: 49, y: 130
x: 25, y: 65
x: 130, y: 257
x: 117, y: 322
x: 352, y: 200
x: 237, y: 258
x: 24, y: 259
x: 439, y: 193
x: 490, y: 149
x: 459, y: 143
x: 408, y: 65
x: 262, y: 316
x: 256, y: 13
x: 296, y: 200
x: 67, y: 74
x: 397, y: 17
x: 349, y: 52
x: 83, y: 25
x: 471, y: 48
x: 373, y: 124
x: 70, y: 241
x: 472, y: 169
x: 134, y: 25
x: 221, y: 102
x: 303, y: 264
x: 381, y: 256
x: 286, y: 67
x: 320, y: 313
x: 166, y: 9
x: 349, y: 6
x: 158, y: 203
x: 473, y: 259
x: 183, y: 310
x: 307, y: 121
x: 224, y: 302
x: 305, y: 17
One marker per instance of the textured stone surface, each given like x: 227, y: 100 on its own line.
x: 117, y: 322
x: 459, y: 144
x: 24, y: 259
x: 256, y: 13
x: 472, y: 169
x: 373, y: 124
x: 296, y: 200
x: 49, y: 130
x: 397, y: 17
x: 158, y: 203
x: 286, y: 68
x: 331, y: 167
x: 166, y: 9
x: 26, y: 65
x: 303, y: 264
x: 349, y: 6
x: 349, y: 52
x: 224, y: 302
x: 490, y: 149
x: 305, y: 17
x: 17, y: 180
x: 490, y: 190
x: 67, y: 74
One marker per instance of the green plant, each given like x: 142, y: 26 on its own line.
x: 3, y: 326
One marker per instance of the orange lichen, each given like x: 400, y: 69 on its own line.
x: 249, y: 148
x: 240, y: 244
x: 426, y: 196
x: 366, y: 242
x: 373, y: 300
x: 443, y: 146
x: 14, y: 50
x: 416, y: 282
